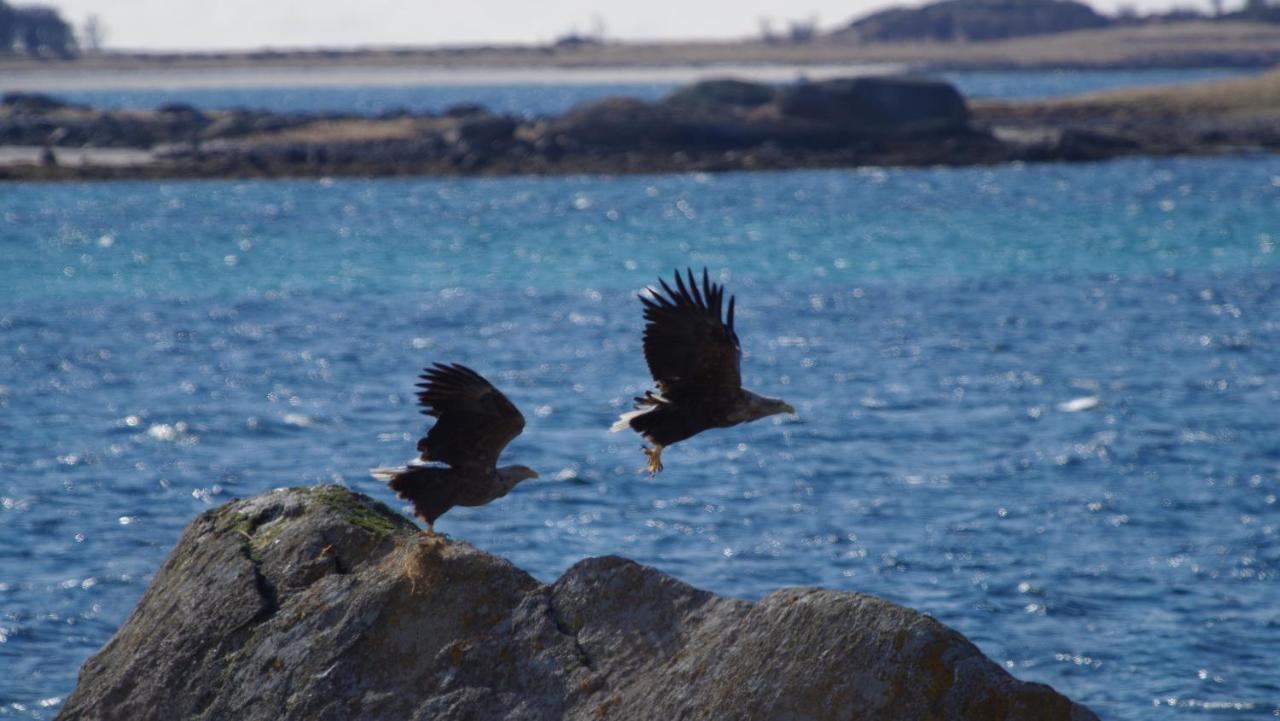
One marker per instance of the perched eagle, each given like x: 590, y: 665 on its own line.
x: 694, y: 357
x: 474, y: 422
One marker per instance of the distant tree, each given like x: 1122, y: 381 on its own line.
x: 803, y: 31
x: 1127, y: 13
x: 42, y: 31
x: 766, y: 30
x: 1259, y: 11
x: 597, y: 28
x: 8, y: 28
x: 575, y: 39
x: 94, y: 34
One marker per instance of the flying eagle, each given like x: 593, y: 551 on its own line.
x: 694, y: 357
x: 474, y: 422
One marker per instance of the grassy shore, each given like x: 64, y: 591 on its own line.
x: 1191, y: 44
x: 1251, y: 100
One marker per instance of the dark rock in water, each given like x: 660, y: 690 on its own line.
x: 463, y: 110
x: 1080, y: 144
x: 732, y: 115
x: 107, y: 130
x: 879, y: 105
x: 180, y: 120
x: 317, y: 603
x: 399, y: 111
x: 486, y: 130
x: 35, y: 102
x: 238, y: 123
x: 184, y: 109
x: 627, y: 124
x: 722, y: 93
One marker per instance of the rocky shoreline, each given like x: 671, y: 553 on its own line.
x: 319, y: 603
x: 716, y: 125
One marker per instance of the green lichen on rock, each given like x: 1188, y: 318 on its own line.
x: 247, y: 527
x: 264, y: 534
x: 255, y: 524
x: 356, y: 511
x: 229, y: 519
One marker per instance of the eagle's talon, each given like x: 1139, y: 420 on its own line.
x: 655, y: 460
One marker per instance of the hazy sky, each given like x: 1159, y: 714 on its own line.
x: 223, y: 24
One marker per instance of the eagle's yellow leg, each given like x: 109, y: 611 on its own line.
x: 428, y: 536
x: 655, y: 459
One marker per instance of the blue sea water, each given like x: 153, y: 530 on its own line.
x: 1037, y: 402
x: 533, y: 99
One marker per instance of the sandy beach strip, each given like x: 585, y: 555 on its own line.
x: 76, y: 157
x: 69, y: 79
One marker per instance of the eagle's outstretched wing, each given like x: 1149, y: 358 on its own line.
x: 691, y: 349
x: 474, y: 420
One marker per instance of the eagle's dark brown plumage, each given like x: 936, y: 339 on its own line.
x: 694, y: 356
x: 474, y: 422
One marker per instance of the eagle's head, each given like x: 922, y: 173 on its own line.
x: 511, y: 475
x: 754, y: 407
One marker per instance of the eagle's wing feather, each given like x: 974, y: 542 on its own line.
x: 474, y: 420
x: 692, y: 351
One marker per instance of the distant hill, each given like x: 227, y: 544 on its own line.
x: 964, y: 20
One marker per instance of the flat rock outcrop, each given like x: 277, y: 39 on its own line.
x: 318, y: 603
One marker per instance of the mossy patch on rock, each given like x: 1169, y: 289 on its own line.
x: 359, y: 511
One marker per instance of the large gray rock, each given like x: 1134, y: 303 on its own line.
x: 630, y: 125
x: 840, y: 114
x: 721, y: 93
x: 317, y: 603
x: 901, y: 105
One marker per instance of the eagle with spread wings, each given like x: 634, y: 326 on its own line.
x: 694, y: 356
x: 474, y: 422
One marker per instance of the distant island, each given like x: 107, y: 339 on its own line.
x: 714, y: 125
x: 974, y: 21
x: 958, y: 34
x: 964, y: 21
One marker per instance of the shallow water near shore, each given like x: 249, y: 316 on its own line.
x: 1038, y: 403
x: 528, y: 99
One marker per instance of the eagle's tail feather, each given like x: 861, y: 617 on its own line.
x: 387, y: 475
x: 430, y: 489
x: 624, y: 420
